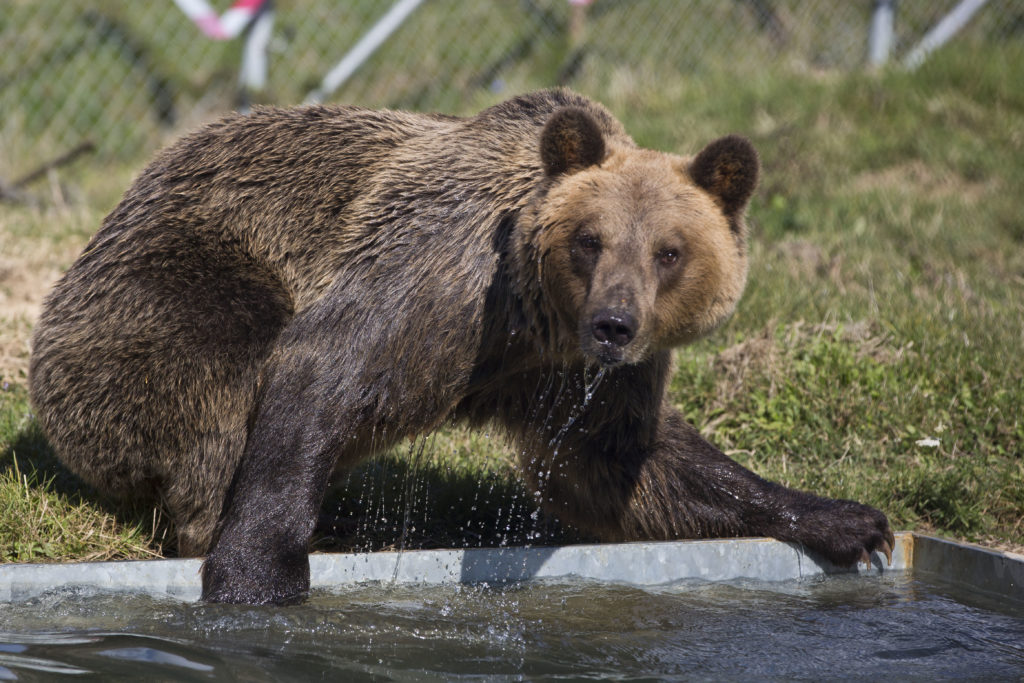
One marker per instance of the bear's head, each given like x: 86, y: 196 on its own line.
x: 633, y: 251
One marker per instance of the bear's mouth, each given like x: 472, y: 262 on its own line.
x: 609, y: 354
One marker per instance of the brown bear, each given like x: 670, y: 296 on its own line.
x: 283, y: 294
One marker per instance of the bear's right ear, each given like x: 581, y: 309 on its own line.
x: 571, y: 141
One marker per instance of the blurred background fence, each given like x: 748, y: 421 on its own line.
x: 117, y: 78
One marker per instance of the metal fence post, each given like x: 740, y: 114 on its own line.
x: 369, y: 43
x: 942, y: 32
x: 880, y: 36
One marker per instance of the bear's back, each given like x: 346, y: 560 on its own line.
x: 273, y: 188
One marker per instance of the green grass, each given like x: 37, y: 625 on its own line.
x: 46, y: 515
x: 884, y: 311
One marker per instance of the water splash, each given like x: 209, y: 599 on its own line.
x: 410, y: 485
x: 588, y: 390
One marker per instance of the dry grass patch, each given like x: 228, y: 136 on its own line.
x: 925, y: 181
x: 767, y: 355
x: 36, y: 246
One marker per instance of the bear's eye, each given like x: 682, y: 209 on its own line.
x: 668, y: 257
x: 588, y: 243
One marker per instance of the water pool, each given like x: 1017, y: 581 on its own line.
x: 898, y: 624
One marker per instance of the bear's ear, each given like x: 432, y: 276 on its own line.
x: 727, y: 168
x: 571, y: 141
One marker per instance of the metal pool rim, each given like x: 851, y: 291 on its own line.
x: 996, y: 573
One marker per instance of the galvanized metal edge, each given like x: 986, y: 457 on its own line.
x: 981, y: 569
x: 174, y: 578
x: 634, y: 563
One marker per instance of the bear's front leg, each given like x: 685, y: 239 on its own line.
x: 259, y: 555
x: 635, y: 470
x: 310, y: 416
x: 337, y: 389
x: 842, y: 531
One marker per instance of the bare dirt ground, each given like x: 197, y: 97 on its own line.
x: 30, y: 262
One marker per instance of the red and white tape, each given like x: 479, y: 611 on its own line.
x: 224, y: 26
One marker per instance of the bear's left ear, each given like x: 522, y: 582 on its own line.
x: 727, y: 168
x: 571, y: 141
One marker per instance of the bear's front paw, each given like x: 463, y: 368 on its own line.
x: 241, y: 578
x: 843, y: 531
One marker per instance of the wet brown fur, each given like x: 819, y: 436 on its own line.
x: 283, y: 294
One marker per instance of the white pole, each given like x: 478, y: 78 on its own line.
x: 362, y: 50
x: 880, y: 38
x: 943, y: 31
x: 253, y: 74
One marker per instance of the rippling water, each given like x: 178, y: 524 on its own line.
x: 899, y: 624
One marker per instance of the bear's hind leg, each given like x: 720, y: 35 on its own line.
x: 195, y: 496
x: 145, y: 368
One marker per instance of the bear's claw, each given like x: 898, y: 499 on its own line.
x: 885, y: 547
x: 886, y: 544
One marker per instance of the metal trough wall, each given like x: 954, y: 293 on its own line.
x: 633, y: 563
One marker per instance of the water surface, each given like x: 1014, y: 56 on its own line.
x: 899, y: 624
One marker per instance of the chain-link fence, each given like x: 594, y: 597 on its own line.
x: 120, y: 77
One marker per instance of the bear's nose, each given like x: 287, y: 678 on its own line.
x: 613, y: 327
